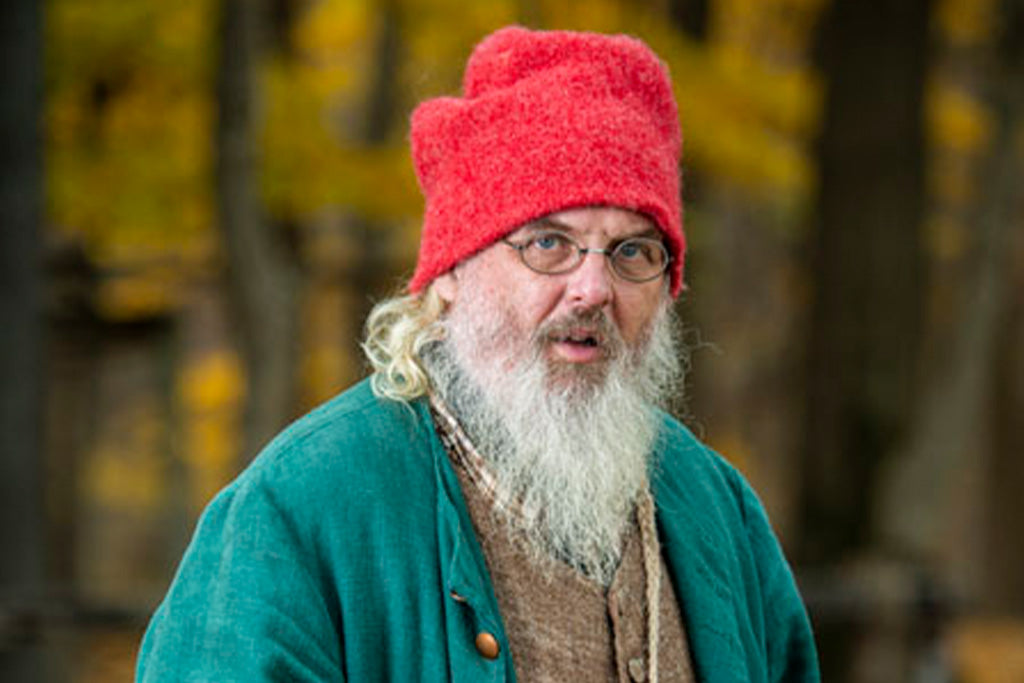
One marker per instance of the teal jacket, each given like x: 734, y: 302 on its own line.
x: 336, y: 554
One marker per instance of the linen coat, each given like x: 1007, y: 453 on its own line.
x: 345, y: 552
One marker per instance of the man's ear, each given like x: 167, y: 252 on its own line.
x: 446, y: 286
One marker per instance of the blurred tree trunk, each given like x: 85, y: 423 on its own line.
x: 864, y: 334
x: 1006, y: 577
x: 1006, y: 552
x: 261, y: 275
x: 372, y: 276
x: 691, y: 16
x: 962, y: 468
x: 23, y: 557
x: 863, y: 339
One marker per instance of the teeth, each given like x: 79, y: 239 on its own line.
x: 583, y: 339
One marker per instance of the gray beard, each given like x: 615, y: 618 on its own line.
x: 570, y: 447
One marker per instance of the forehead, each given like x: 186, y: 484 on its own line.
x: 607, y: 222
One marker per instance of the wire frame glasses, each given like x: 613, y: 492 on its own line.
x: 637, y: 259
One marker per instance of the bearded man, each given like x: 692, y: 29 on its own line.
x: 503, y: 498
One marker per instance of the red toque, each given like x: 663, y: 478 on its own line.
x: 549, y: 120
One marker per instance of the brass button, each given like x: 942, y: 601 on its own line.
x: 487, y: 645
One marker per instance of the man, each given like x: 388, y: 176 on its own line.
x: 503, y: 499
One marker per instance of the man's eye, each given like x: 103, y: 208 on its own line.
x: 548, y: 242
x: 634, y: 249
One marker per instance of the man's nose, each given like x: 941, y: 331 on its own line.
x: 590, y: 284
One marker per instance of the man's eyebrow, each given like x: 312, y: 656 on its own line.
x: 549, y: 223
x: 650, y: 231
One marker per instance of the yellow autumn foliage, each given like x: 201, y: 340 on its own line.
x: 332, y: 33
x: 326, y: 366
x: 956, y: 119
x: 966, y: 22
x: 211, y: 387
x: 128, y: 126
x: 125, y: 469
x: 212, y: 382
x: 139, y: 294
x: 130, y: 173
x: 119, y: 479
x: 988, y: 650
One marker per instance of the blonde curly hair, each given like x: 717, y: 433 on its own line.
x: 397, y: 331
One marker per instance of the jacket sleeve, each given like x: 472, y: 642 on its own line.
x: 246, y: 604
x: 789, y: 642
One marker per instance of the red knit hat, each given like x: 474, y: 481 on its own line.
x: 549, y: 120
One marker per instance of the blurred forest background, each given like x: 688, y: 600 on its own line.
x: 201, y: 200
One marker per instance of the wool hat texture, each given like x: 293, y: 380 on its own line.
x: 547, y: 121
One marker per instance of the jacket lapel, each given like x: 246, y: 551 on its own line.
x: 470, y: 605
x: 701, y: 559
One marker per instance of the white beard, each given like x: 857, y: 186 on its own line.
x: 569, y: 446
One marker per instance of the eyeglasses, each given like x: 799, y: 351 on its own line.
x: 637, y: 259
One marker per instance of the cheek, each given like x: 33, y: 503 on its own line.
x: 538, y: 305
x: 636, y: 311
x: 527, y: 299
x: 490, y: 304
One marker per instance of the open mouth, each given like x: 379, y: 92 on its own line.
x: 582, y: 338
x: 580, y: 341
x: 590, y: 342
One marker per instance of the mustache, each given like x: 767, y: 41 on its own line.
x: 590, y: 326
